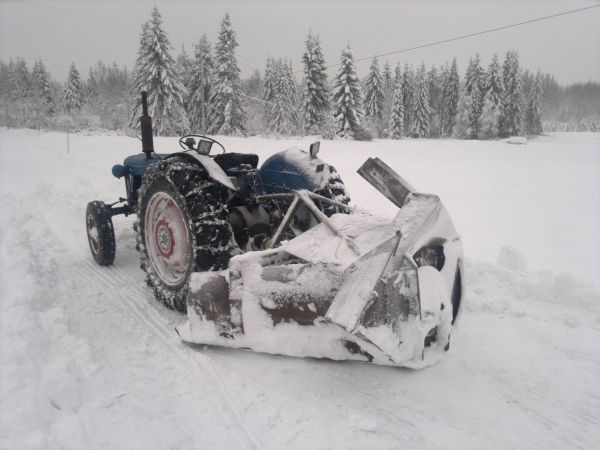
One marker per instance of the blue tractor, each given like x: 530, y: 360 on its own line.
x: 196, y: 209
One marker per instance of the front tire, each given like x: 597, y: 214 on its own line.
x: 100, y: 233
x: 182, y: 227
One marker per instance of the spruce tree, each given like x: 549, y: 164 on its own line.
x: 461, y: 128
x: 489, y: 117
x: 407, y: 95
x: 270, y: 87
x: 475, y: 90
x: 375, y: 92
x: 397, y: 76
x: 315, y: 103
x: 184, y: 67
x: 347, y: 97
x: 227, y: 115
x: 450, y: 94
x: 43, y: 88
x: 420, y: 112
x: 72, y: 94
x: 91, y: 86
x: 388, y: 79
x: 397, y: 115
x: 284, y: 99
x: 434, y: 81
x: 493, y: 82
x: 533, y: 121
x: 200, y: 83
x: 156, y: 73
x: 509, y: 122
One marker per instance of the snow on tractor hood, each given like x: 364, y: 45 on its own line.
x: 357, y: 287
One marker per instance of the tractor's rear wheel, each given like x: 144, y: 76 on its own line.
x: 182, y: 227
x: 335, y: 190
x: 100, y: 232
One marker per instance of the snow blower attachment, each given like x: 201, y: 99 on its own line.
x: 350, y: 287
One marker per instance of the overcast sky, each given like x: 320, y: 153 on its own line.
x: 86, y: 31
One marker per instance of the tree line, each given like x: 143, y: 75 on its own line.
x: 204, y: 92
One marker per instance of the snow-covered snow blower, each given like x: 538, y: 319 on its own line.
x: 273, y: 259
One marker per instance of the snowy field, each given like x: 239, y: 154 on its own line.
x: 89, y: 360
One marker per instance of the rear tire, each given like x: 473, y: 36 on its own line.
x: 100, y: 232
x: 335, y: 190
x: 182, y: 227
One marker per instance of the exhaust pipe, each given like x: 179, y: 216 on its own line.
x: 146, y: 127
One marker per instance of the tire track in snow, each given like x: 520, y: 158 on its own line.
x: 135, y: 299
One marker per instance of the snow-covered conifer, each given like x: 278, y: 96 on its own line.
x: 461, y: 128
x: 315, y: 103
x: 397, y: 75
x: 493, y: 82
x: 347, y: 97
x: 489, y: 117
x: 43, y: 87
x: 284, y: 100
x: 156, y: 73
x: 20, y: 79
x: 420, y: 112
x: 450, y: 94
x: 375, y: 92
x: 533, y: 120
x: 475, y: 89
x: 72, y: 94
x: 509, y: 123
x: 91, y: 86
x: 226, y: 114
x: 408, y: 89
x: 397, y: 115
x: 202, y: 71
x: 184, y: 66
x: 388, y: 78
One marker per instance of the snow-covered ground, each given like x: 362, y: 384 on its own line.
x: 89, y: 360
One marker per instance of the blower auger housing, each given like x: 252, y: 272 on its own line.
x: 273, y: 259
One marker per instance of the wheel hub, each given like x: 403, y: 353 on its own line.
x: 167, y: 239
x: 93, y: 235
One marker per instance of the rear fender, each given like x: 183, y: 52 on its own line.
x: 213, y: 169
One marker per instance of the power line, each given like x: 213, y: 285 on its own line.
x: 466, y: 36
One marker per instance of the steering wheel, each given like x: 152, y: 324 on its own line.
x: 189, y: 142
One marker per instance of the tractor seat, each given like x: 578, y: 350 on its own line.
x: 228, y: 161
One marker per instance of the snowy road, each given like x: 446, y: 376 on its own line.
x: 89, y: 360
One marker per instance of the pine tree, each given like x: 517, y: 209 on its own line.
x: 72, y: 94
x: 450, y: 94
x: 200, y: 83
x: 397, y: 116
x: 347, y: 97
x: 509, y: 122
x: 533, y: 121
x: 493, y: 82
x: 315, y: 103
x: 227, y: 115
x: 156, y: 73
x: 421, y: 113
x: 375, y: 92
x: 407, y: 95
x: 397, y: 75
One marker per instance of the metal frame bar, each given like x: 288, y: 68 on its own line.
x: 307, y: 198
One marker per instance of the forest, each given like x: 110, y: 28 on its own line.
x: 204, y: 92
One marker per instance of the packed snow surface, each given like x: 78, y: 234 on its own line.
x: 89, y: 360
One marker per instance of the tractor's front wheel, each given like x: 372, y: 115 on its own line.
x: 182, y: 227
x: 100, y: 232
